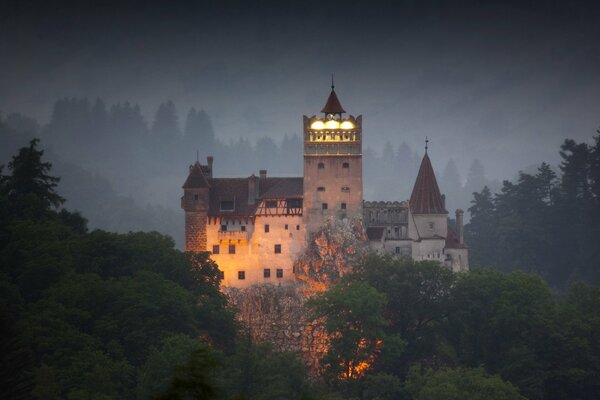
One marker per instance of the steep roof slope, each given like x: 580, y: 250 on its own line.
x: 426, y: 197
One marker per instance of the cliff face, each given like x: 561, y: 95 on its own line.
x: 279, y: 315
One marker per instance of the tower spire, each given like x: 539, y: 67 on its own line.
x: 332, y: 85
x: 426, y: 144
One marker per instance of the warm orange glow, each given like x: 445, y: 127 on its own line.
x: 332, y: 124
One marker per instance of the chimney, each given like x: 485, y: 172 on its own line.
x: 459, y: 225
x: 209, y: 162
x: 253, y: 188
x: 444, y: 201
x: 263, y: 174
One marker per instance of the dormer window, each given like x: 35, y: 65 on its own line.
x: 227, y: 205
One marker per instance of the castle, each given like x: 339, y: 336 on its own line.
x: 256, y: 227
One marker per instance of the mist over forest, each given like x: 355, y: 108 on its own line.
x: 125, y: 173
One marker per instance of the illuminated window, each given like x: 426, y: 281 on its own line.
x: 346, y: 165
x: 279, y: 273
x: 267, y: 273
x: 321, y: 165
x: 343, y: 206
x: 215, y: 249
x: 241, y: 275
x: 232, y: 249
x: 320, y: 189
x: 266, y: 228
x: 324, y: 206
x: 277, y: 249
x: 345, y: 189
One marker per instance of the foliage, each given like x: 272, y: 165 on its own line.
x: 544, y: 223
x: 458, y: 384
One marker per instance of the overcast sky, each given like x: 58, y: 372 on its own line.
x: 504, y: 82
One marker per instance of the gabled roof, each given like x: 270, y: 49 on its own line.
x: 426, y: 197
x: 236, y: 190
x: 333, y: 105
x: 196, y: 179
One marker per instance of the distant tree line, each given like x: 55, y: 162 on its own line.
x: 546, y: 223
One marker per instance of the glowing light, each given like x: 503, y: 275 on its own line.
x: 317, y: 125
x: 347, y: 125
x: 332, y: 124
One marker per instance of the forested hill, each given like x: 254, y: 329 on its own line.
x: 99, y: 315
x: 545, y: 222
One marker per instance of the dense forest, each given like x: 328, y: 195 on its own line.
x: 546, y: 223
x: 124, y: 172
x: 100, y: 315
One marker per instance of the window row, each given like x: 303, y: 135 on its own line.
x: 286, y: 226
x: 345, y: 189
x: 325, y: 206
x: 322, y: 165
x: 216, y: 249
x: 266, y: 273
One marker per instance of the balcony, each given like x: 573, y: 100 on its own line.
x: 232, y: 235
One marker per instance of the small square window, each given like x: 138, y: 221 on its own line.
x: 266, y: 228
x: 286, y: 227
x: 243, y: 228
x: 221, y: 275
x: 343, y: 206
x: 277, y: 249
x: 431, y: 225
x: 215, y: 249
x: 223, y: 228
x: 324, y: 206
x: 232, y: 249
x: 297, y: 227
x: 346, y: 165
x: 279, y: 273
x: 321, y: 165
x: 267, y: 272
x: 241, y: 275
x: 320, y: 189
x: 196, y: 197
x: 397, y: 250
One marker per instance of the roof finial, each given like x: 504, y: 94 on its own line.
x: 197, y: 156
x: 332, y: 85
x: 426, y: 144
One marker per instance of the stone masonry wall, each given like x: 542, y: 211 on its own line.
x: 195, y: 231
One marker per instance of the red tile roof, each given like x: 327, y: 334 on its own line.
x: 426, y: 197
x: 333, y: 105
x: 196, y: 178
x: 452, y: 241
x: 236, y: 190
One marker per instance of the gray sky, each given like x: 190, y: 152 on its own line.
x: 502, y: 82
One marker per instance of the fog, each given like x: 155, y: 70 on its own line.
x: 495, y: 87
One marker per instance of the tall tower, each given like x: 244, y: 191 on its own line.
x: 195, y: 202
x: 332, y: 164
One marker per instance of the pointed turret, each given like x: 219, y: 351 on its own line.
x: 196, y: 178
x: 426, y: 197
x: 333, y: 105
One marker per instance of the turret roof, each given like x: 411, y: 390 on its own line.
x: 196, y: 178
x: 333, y: 105
x: 426, y: 197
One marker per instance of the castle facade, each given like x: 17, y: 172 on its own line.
x: 256, y: 227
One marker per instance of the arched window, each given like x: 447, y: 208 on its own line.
x: 321, y: 165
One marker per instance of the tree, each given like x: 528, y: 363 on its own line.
x: 30, y: 190
x: 199, y: 132
x: 458, y: 384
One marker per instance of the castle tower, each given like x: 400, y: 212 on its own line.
x: 427, y: 204
x: 195, y: 203
x: 332, y: 164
